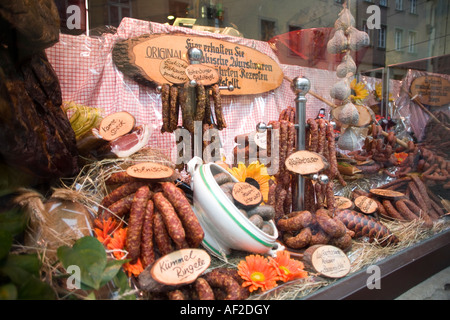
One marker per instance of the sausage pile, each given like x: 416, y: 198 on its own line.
x: 301, y: 229
x: 175, y: 98
x: 159, y: 216
x: 434, y: 168
x: 419, y: 201
x: 378, y: 148
x: 219, y: 284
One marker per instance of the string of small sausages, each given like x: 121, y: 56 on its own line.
x: 320, y: 138
x: 174, y: 99
x: 282, y: 192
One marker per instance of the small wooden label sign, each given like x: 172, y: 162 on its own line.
x: 306, y: 162
x: 431, y: 90
x: 385, y: 193
x: 202, y: 74
x: 174, y: 70
x: 330, y: 261
x: 150, y: 170
x: 246, y: 195
x: 366, y: 205
x: 116, y: 125
x: 180, y: 267
x: 343, y: 202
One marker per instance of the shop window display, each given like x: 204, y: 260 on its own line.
x: 258, y: 137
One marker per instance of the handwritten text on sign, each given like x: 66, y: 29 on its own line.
x: 431, y: 90
x: 149, y: 170
x: 116, y: 125
x: 181, y: 266
x: 306, y: 162
x: 248, y: 70
x: 331, y: 262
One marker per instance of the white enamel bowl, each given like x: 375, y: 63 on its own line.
x: 225, y: 227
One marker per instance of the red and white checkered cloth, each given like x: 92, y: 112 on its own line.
x: 88, y: 76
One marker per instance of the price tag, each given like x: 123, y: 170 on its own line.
x: 149, y: 170
x: 330, y: 261
x: 116, y: 125
x: 180, y: 267
x: 306, y: 162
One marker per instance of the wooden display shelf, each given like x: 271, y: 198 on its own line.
x: 399, y: 272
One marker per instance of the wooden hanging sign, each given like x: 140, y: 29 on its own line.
x: 306, y: 162
x: 149, y: 170
x: 180, y: 267
x: 431, y: 90
x: 116, y: 125
x: 248, y: 70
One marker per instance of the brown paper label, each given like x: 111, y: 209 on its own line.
x: 149, y: 170
x: 306, y: 162
x: 180, y: 267
x: 116, y: 125
x: 330, y: 261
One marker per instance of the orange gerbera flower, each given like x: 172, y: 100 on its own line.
x: 287, y: 268
x: 117, y: 246
x: 104, y: 230
x: 257, y: 273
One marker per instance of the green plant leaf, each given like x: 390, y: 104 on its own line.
x: 112, y: 268
x: 13, y: 221
x: 21, y: 267
x: 6, y: 241
x: 35, y: 289
x: 89, y: 255
x: 121, y: 282
x: 8, y: 292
